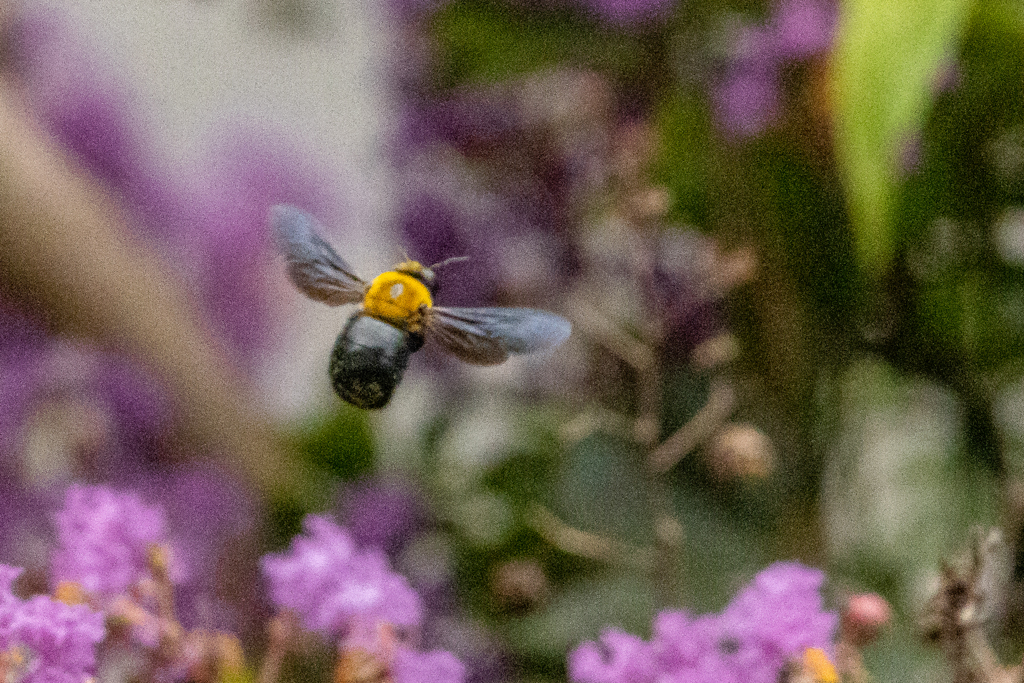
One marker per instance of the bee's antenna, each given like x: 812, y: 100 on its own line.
x: 453, y: 259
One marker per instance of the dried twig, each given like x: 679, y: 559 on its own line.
x: 65, y: 247
x: 591, y: 321
x: 281, y: 631
x: 969, y: 596
x: 721, y: 402
x: 586, y: 544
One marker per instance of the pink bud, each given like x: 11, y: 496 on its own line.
x: 866, y: 614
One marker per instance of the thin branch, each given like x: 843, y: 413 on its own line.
x: 281, y: 632
x: 591, y: 421
x: 984, y: 657
x: 720, y: 404
x: 591, y: 321
x: 171, y: 631
x: 65, y: 246
x: 586, y: 544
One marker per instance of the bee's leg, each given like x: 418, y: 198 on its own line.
x: 414, y: 328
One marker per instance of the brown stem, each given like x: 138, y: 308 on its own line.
x: 171, y: 632
x: 668, y: 532
x: 586, y: 544
x: 720, y: 404
x: 281, y: 631
x: 65, y: 247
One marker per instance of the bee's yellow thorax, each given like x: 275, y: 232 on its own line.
x: 396, y: 298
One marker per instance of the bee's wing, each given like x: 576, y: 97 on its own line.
x: 486, y: 336
x: 313, y: 265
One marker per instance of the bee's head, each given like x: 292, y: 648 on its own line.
x: 420, y: 272
x: 426, y: 274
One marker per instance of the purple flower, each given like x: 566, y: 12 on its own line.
x: 435, y: 228
x: 776, y: 618
x: 748, y: 96
x: 677, y: 288
x: 510, y: 214
x: 381, y: 513
x: 213, y: 516
x: 618, y: 658
x: 749, y: 99
x: 803, y: 28
x: 104, y: 539
x: 58, y: 641
x: 332, y: 585
x: 208, y: 508
x: 366, y: 645
x: 672, y: 651
x: 438, y: 666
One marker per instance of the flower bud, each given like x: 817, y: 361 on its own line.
x: 866, y: 614
x: 741, y: 451
x: 520, y: 584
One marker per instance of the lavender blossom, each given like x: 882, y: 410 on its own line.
x: 438, y: 666
x: 618, y: 658
x: 208, y: 508
x: 773, y: 620
x: 382, y: 513
x: 748, y: 97
x: 676, y: 287
x: 512, y: 192
x: 331, y: 584
x: 57, y: 641
x: 803, y: 28
x: 213, y: 516
x: 104, y: 539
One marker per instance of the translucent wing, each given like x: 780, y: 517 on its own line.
x: 313, y: 265
x: 486, y: 336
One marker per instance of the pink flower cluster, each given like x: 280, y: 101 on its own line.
x: 353, y: 596
x: 774, y: 619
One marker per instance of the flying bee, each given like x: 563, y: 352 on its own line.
x: 397, y: 314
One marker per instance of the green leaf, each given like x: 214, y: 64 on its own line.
x: 887, y: 59
x: 340, y: 445
x: 602, y: 489
x: 686, y: 160
x: 582, y: 611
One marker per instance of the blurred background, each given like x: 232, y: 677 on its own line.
x: 789, y: 236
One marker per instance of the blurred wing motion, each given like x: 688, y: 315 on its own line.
x: 487, y: 336
x: 313, y: 265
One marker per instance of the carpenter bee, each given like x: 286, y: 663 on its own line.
x: 397, y: 314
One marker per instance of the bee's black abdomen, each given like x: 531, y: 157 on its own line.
x: 368, y: 361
